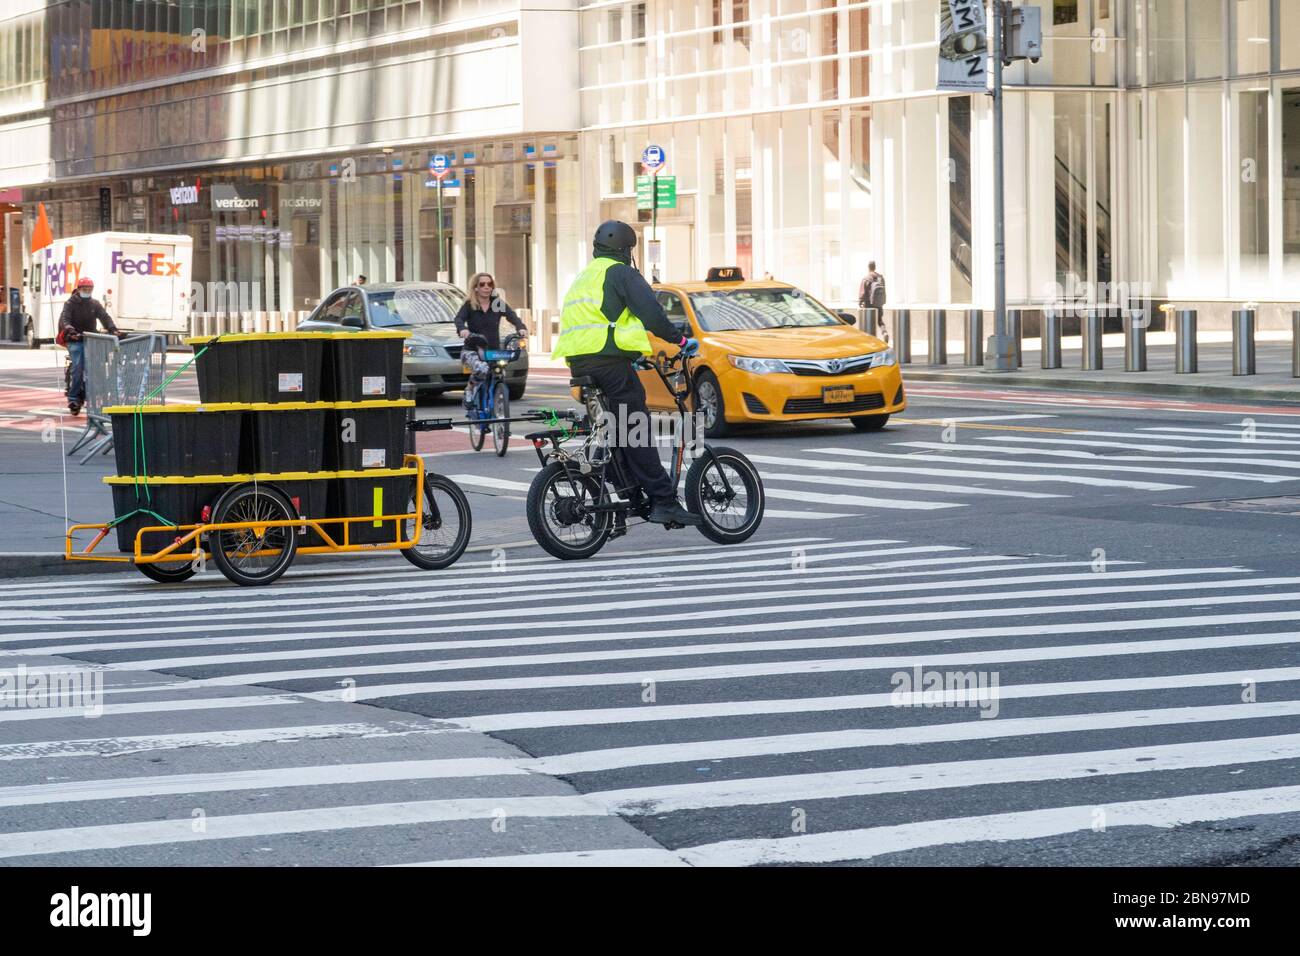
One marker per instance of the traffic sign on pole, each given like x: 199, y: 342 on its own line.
x: 662, y: 188
x: 653, y: 158
x: 439, y: 165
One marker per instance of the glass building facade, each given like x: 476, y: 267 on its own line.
x: 1152, y: 153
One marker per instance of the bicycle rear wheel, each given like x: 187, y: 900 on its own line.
x: 557, y: 517
x: 725, y: 490
x: 255, y: 554
x: 445, y: 524
x: 500, y: 409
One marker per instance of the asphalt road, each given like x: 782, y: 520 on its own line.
x: 1120, y: 573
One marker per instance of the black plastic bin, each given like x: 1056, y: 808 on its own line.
x: 177, y: 439
x: 288, y: 437
x: 364, y: 494
x: 365, y: 366
x: 261, y: 367
x: 179, y: 500
x: 366, y: 435
x: 310, y: 496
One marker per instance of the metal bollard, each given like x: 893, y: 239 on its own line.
x: 1135, y: 340
x: 903, y: 335
x: 938, y: 342
x: 1243, y: 342
x: 1093, y: 325
x: 974, y: 342
x: 1295, y: 344
x: 869, y: 320
x: 1185, y: 341
x: 1051, y: 339
x: 1017, y: 350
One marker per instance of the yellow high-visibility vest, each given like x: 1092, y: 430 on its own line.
x: 584, y: 328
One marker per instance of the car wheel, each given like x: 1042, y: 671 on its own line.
x: 517, y: 390
x: 869, y: 423
x: 709, y: 402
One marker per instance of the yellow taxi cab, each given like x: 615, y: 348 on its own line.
x: 770, y: 352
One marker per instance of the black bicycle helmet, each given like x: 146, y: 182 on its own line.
x: 614, y: 234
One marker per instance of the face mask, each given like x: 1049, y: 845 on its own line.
x: 84, y: 295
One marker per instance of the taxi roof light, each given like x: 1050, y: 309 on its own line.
x: 725, y: 274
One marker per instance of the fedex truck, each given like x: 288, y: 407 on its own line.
x: 142, y: 280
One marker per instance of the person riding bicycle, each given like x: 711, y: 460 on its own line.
x: 79, y: 315
x: 483, y: 311
x: 607, y: 312
x: 471, y: 358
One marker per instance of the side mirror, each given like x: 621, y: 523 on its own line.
x: 353, y: 322
x: 848, y: 317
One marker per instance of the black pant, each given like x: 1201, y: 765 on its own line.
x: 625, y: 399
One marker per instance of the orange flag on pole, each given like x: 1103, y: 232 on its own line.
x: 41, y: 235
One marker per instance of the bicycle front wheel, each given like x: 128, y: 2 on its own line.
x: 724, y: 489
x: 501, y: 409
x: 477, y: 432
x: 445, y: 522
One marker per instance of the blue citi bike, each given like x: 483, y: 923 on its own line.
x: 490, y: 410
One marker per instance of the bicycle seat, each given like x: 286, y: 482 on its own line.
x: 582, y: 381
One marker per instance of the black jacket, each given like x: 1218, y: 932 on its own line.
x: 79, y: 316
x: 487, y: 323
x: 625, y: 288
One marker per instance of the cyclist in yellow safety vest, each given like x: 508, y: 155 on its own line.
x: 603, y: 327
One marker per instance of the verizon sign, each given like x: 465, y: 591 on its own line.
x: 185, y: 195
x: 238, y: 198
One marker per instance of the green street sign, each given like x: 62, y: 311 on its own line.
x: 667, y: 192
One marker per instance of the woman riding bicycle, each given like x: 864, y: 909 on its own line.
x: 483, y: 311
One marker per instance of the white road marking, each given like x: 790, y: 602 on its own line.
x: 644, y: 856
x: 873, y: 484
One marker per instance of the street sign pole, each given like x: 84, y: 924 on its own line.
x: 998, y: 354
x: 442, y: 246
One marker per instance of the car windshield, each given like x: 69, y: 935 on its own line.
x: 406, y: 307
x: 724, y: 310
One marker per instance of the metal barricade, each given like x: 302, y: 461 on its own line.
x: 119, y: 372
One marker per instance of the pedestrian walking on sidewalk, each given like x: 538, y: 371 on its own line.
x: 871, y: 295
x: 80, y: 314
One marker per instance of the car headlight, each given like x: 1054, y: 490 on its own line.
x: 760, y: 366
x: 418, y: 350
x: 882, y: 359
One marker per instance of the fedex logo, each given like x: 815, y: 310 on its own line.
x: 61, y: 276
x: 154, y: 264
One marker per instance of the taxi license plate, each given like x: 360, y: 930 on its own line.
x: 837, y: 394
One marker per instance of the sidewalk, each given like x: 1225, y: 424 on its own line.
x: 1214, y: 379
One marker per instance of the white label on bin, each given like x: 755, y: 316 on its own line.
x: 291, y: 381
x: 372, y: 458
x: 374, y: 385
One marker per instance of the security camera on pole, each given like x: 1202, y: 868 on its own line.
x: 1016, y: 34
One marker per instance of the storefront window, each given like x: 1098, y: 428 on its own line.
x: 1251, y: 30
x: 1291, y: 185
x: 1205, y: 200
x: 1167, y: 108
x: 1166, y: 37
x: 1251, y: 109
x: 1288, y: 35
x: 1205, y: 38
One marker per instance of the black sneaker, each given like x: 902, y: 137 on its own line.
x: 670, y: 511
x: 74, y: 409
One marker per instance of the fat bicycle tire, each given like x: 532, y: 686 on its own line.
x: 550, y: 487
x: 706, y: 495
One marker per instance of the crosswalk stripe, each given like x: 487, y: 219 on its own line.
x: 142, y: 743
x: 875, y: 483
x: 902, y: 469
x: 871, y: 842
x: 1187, y: 472
x: 641, y: 856
x: 530, y: 720
x: 230, y: 781
x: 805, y: 515
x: 718, y: 672
x: 151, y: 706
x: 909, y: 778
x: 1145, y: 577
x: 485, y: 481
x: 860, y: 501
x: 1182, y: 449
x: 1270, y: 436
x: 590, y: 761
x: 806, y: 611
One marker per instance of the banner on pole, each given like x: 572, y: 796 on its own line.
x: 963, y: 46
